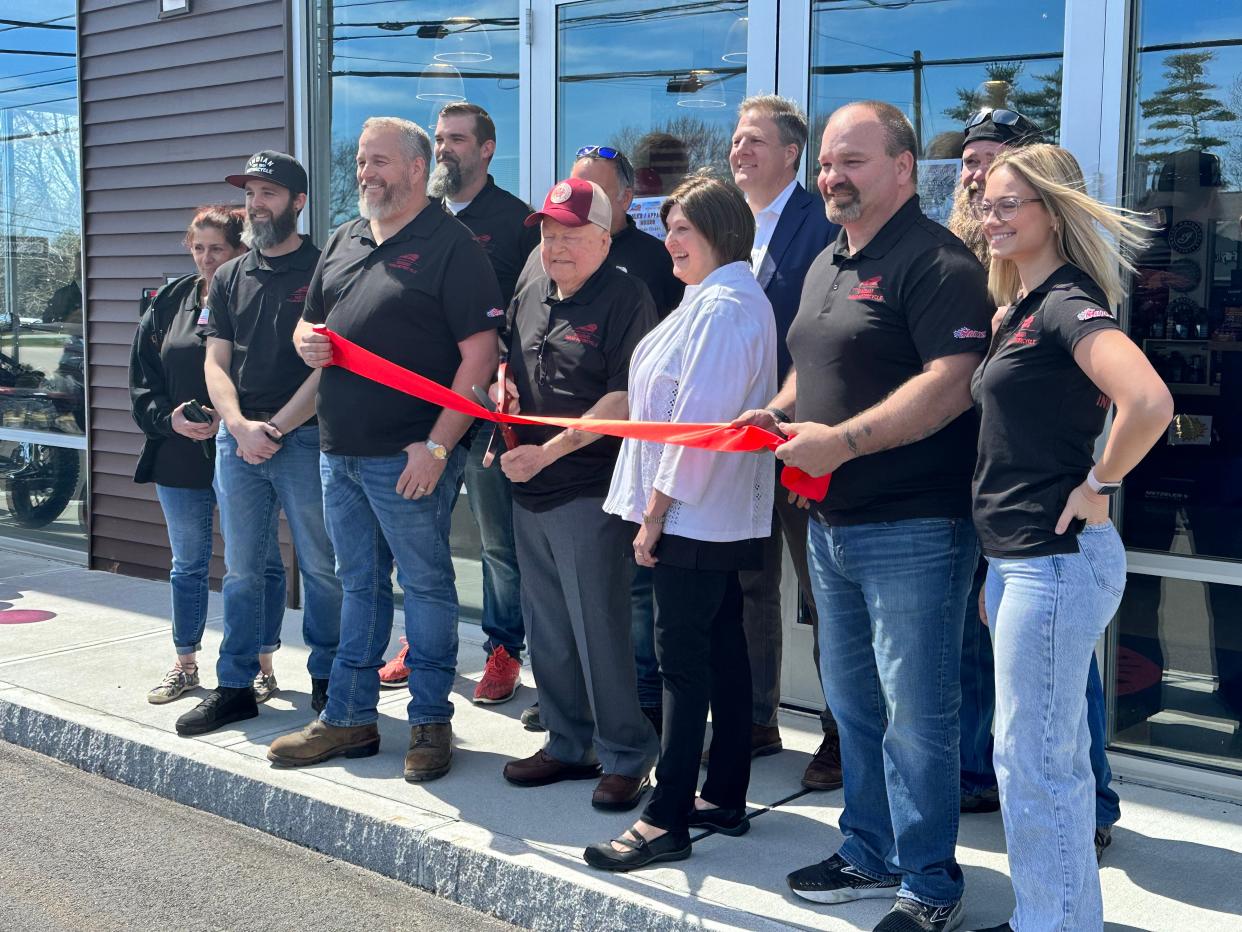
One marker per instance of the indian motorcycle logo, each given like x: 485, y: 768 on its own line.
x: 405, y: 263
x: 299, y: 296
x: 587, y: 335
x: 867, y: 290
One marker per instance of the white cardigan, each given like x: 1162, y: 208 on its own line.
x: 708, y: 361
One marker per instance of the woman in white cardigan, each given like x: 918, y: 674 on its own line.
x: 701, y: 516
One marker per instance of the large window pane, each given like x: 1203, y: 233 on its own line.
x: 408, y: 58
x: 1185, y: 171
x: 40, y: 228
x: 659, y: 81
x: 928, y: 60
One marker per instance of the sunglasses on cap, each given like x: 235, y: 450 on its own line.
x: 604, y: 152
x: 1000, y: 118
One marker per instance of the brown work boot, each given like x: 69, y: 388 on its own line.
x: 824, y: 770
x: 431, y: 752
x: 319, y: 741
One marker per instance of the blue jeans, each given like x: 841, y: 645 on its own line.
x: 1048, y: 613
x: 371, y: 525
x: 642, y: 633
x: 979, y: 704
x: 490, y: 496
x: 891, y: 598
x: 250, y: 498
x: 187, y: 512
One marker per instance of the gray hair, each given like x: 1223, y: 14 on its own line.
x: 786, y: 114
x: 414, y: 139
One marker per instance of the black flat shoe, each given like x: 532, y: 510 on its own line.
x: 671, y: 846
x: 726, y: 821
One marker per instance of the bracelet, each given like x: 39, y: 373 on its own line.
x: 657, y: 520
x: 778, y: 415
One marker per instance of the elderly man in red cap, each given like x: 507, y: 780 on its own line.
x: 573, y: 329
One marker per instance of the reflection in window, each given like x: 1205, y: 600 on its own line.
x: 926, y: 59
x: 1179, y: 669
x: 408, y: 58
x: 659, y: 81
x: 41, y: 349
x: 1185, y: 173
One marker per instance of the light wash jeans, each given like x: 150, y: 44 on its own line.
x: 371, y: 526
x: 188, y: 512
x: 891, y: 598
x: 1047, y: 615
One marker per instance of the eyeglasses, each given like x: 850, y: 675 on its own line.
x: 604, y: 152
x: 1005, y: 208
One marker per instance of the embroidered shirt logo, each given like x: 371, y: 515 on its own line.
x: 965, y: 333
x: 867, y: 290
x: 405, y: 263
x: 587, y: 335
x: 1092, y: 313
x: 299, y: 296
x: 496, y: 312
x: 1025, y: 334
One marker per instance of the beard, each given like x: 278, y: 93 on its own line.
x: 445, y: 180
x: 395, y: 197
x: 964, y: 226
x: 844, y: 213
x: 265, y: 234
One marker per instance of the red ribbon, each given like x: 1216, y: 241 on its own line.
x: 720, y: 437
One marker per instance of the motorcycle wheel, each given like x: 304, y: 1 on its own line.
x: 40, y: 496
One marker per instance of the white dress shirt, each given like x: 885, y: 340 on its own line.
x: 765, y: 226
x: 711, y: 359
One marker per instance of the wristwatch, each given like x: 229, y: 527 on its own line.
x: 778, y: 415
x: 437, y: 450
x: 1101, y: 488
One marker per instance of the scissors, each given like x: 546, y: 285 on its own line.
x: 507, y: 434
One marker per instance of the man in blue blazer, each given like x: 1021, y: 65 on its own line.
x: 791, y: 229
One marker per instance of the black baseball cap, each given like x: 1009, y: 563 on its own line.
x: 267, y: 165
x: 999, y: 125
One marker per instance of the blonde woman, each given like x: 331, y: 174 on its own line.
x: 1056, y: 565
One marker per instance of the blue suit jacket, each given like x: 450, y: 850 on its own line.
x: 801, y: 234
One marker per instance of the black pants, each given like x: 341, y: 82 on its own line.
x: 702, y: 651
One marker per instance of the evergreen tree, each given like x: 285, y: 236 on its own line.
x: 1177, y: 114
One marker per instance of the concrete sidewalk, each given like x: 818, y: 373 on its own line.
x: 79, y: 650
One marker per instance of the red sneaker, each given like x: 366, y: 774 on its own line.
x: 500, y: 678
x: 395, y: 674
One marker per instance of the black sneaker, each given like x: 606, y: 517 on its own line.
x: 319, y: 694
x: 837, y: 881
x: 530, y: 719
x: 223, y: 706
x: 909, y: 915
x: 1103, y: 838
x: 983, y: 801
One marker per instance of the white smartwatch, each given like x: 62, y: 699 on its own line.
x: 1101, y: 488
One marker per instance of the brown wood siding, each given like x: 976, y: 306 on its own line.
x: 168, y: 108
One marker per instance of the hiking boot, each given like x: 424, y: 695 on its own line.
x: 176, y: 681
x: 530, y: 719
x: 395, y: 674
x: 223, y: 706
x: 838, y: 881
x: 909, y: 915
x: 431, y: 752
x: 500, y: 678
x: 319, y: 693
x: 264, y: 687
x: 319, y: 741
x: 824, y: 770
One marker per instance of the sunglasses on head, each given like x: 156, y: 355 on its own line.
x: 604, y: 152
x: 1000, y: 117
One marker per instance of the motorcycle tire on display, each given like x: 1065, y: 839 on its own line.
x: 40, y: 493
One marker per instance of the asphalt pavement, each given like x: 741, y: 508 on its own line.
x: 79, y: 853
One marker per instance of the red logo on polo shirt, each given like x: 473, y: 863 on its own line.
x: 965, y: 333
x: 586, y: 335
x: 1025, y: 334
x: 298, y: 296
x: 867, y: 290
x: 405, y: 263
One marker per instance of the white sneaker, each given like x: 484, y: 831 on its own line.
x: 176, y: 681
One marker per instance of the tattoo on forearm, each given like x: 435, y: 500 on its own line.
x: 852, y: 437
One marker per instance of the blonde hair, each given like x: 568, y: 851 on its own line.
x: 1079, y: 222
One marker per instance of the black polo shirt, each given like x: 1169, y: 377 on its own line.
x: 564, y: 357
x: 497, y: 220
x: 255, y: 302
x: 641, y: 254
x: 867, y: 324
x: 1039, y: 417
x: 410, y: 299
